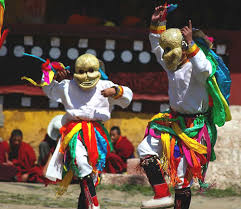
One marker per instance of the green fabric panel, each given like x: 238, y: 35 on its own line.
x: 72, y: 151
x: 161, y: 128
x: 198, y: 123
x: 2, y: 2
x: 217, y: 112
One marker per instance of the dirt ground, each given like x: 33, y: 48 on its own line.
x: 37, y: 196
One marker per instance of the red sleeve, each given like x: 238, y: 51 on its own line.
x: 124, y: 148
x: 6, y: 146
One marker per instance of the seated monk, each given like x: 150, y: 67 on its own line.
x: 116, y: 161
x: 7, y: 172
x: 21, y: 156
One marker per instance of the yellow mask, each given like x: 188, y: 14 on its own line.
x: 171, y: 43
x: 87, y: 72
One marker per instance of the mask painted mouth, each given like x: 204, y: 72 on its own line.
x: 89, y: 83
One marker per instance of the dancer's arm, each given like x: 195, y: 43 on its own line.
x: 158, y: 25
x: 198, y: 59
x: 118, y: 95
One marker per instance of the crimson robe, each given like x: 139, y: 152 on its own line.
x: 4, y: 148
x: 116, y: 162
x: 25, y: 159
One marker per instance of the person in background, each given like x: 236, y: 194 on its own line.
x: 19, y: 156
x: 7, y: 172
x: 123, y: 149
x: 47, y: 146
x: 46, y: 149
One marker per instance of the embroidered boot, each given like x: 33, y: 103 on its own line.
x: 182, y: 198
x: 162, y: 198
x: 88, y: 200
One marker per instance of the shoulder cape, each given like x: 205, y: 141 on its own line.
x: 220, y: 111
x: 2, y: 2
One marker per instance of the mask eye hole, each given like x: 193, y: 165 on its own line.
x: 91, y: 70
x: 167, y: 49
x: 81, y: 72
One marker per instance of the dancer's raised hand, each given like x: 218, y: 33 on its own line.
x: 159, y: 14
x: 187, y: 32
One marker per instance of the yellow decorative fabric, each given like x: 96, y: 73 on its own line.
x: 63, y: 185
x: 160, y: 115
x: 89, y: 130
x: 157, y: 29
x: 69, y: 136
x: 191, y: 143
x: 50, y: 77
x: 165, y: 137
x: 225, y: 104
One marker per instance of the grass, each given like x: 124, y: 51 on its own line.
x: 147, y: 190
x: 128, y: 188
x: 70, y: 201
x: 33, y: 199
x: 217, y: 193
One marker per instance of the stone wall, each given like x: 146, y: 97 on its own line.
x: 226, y: 170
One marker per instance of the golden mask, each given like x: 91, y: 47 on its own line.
x: 87, y: 72
x: 171, y: 43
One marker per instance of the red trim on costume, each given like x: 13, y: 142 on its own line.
x: 4, y: 35
x: 178, y: 204
x: 192, y: 51
x: 161, y: 190
x: 95, y: 201
x: 210, y: 101
x: 157, y: 31
x: 68, y: 127
x: 94, y: 148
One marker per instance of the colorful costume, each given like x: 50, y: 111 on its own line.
x: 5, y: 32
x: 180, y: 142
x: 84, y: 144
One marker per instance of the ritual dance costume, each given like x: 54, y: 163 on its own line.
x: 180, y: 143
x: 84, y: 142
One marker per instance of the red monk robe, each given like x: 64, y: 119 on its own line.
x: 24, y: 160
x: 116, y: 161
x: 26, y: 165
x: 4, y: 149
x: 7, y: 172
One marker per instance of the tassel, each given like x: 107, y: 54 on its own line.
x: 63, y: 185
x: 174, y: 180
x: 196, y: 169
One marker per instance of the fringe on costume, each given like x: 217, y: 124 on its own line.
x: 193, y: 137
x: 97, y: 141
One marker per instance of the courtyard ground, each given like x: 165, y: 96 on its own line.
x: 37, y: 196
